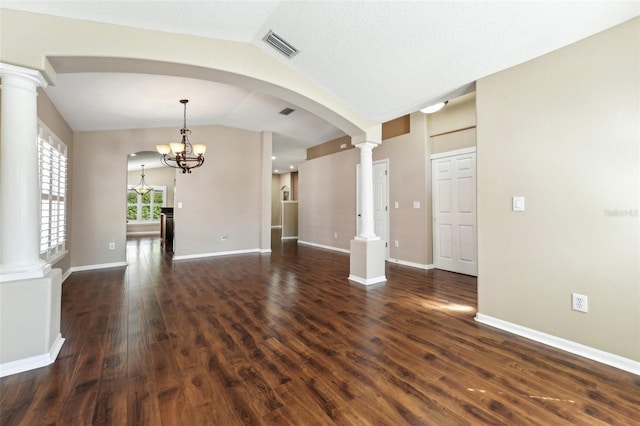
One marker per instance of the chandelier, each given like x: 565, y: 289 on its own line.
x: 142, y: 187
x: 183, y: 155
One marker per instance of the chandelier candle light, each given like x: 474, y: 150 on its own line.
x: 142, y: 187
x: 183, y: 155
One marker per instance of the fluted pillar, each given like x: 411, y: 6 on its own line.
x: 19, y: 186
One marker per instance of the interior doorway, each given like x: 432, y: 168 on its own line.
x: 147, y: 208
x: 453, y: 183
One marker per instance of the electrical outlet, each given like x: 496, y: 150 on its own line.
x: 579, y: 302
x: 335, y: 235
x: 396, y: 243
x: 112, y: 245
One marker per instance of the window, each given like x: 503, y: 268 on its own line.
x: 145, y: 208
x: 52, y: 165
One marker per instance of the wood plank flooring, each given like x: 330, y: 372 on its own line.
x: 286, y: 339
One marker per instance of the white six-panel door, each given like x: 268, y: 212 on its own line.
x: 454, y: 212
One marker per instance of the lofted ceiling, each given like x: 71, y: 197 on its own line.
x: 383, y: 59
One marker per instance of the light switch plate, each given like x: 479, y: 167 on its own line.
x: 518, y: 204
x: 416, y: 204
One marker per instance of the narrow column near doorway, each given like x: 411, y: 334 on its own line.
x: 367, y: 260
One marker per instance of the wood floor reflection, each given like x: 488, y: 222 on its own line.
x: 285, y: 339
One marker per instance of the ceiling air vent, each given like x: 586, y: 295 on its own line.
x: 286, y: 111
x: 280, y: 44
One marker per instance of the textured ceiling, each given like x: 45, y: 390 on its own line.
x: 383, y: 59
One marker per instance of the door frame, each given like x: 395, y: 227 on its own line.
x: 440, y: 155
x: 358, y: 222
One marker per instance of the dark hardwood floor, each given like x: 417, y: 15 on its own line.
x: 286, y: 339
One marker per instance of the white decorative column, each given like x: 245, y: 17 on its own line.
x: 30, y: 291
x: 367, y: 259
x: 367, y: 231
x: 19, y: 186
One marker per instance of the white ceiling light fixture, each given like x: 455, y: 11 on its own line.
x: 434, y: 108
x: 142, y: 187
x: 182, y: 155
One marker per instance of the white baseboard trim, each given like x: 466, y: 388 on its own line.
x: 603, y: 357
x: 367, y: 281
x: 99, y: 266
x: 143, y: 233
x: 215, y: 254
x: 307, y: 243
x: 412, y: 264
x: 289, y: 238
x: 276, y: 226
x: 66, y: 275
x: 263, y: 251
x: 33, y: 362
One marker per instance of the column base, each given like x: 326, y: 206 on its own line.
x: 367, y: 261
x: 30, y: 323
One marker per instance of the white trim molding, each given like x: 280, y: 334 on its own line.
x: 367, y: 281
x: 588, y: 352
x: 307, y: 243
x: 453, y: 153
x: 411, y: 264
x: 215, y: 254
x: 98, y: 266
x: 138, y: 233
x: 33, y: 362
x: 289, y: 238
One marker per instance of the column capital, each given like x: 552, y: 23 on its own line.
x: 366, y: 146
x: 29, y: 74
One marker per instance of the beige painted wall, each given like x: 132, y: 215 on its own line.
x: 459, y: 113
x: 48, y: 113
x: 327, y: 202
x: 452, y: 141
x: 285, y: 180
x: 276, y: 206
x: 563, y: 131
x: 223, y: 196
x: 277, y: 182
x: 454, y: 126
x: 409, y: 181
x: 328, y: 192
x: 290, y: 219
